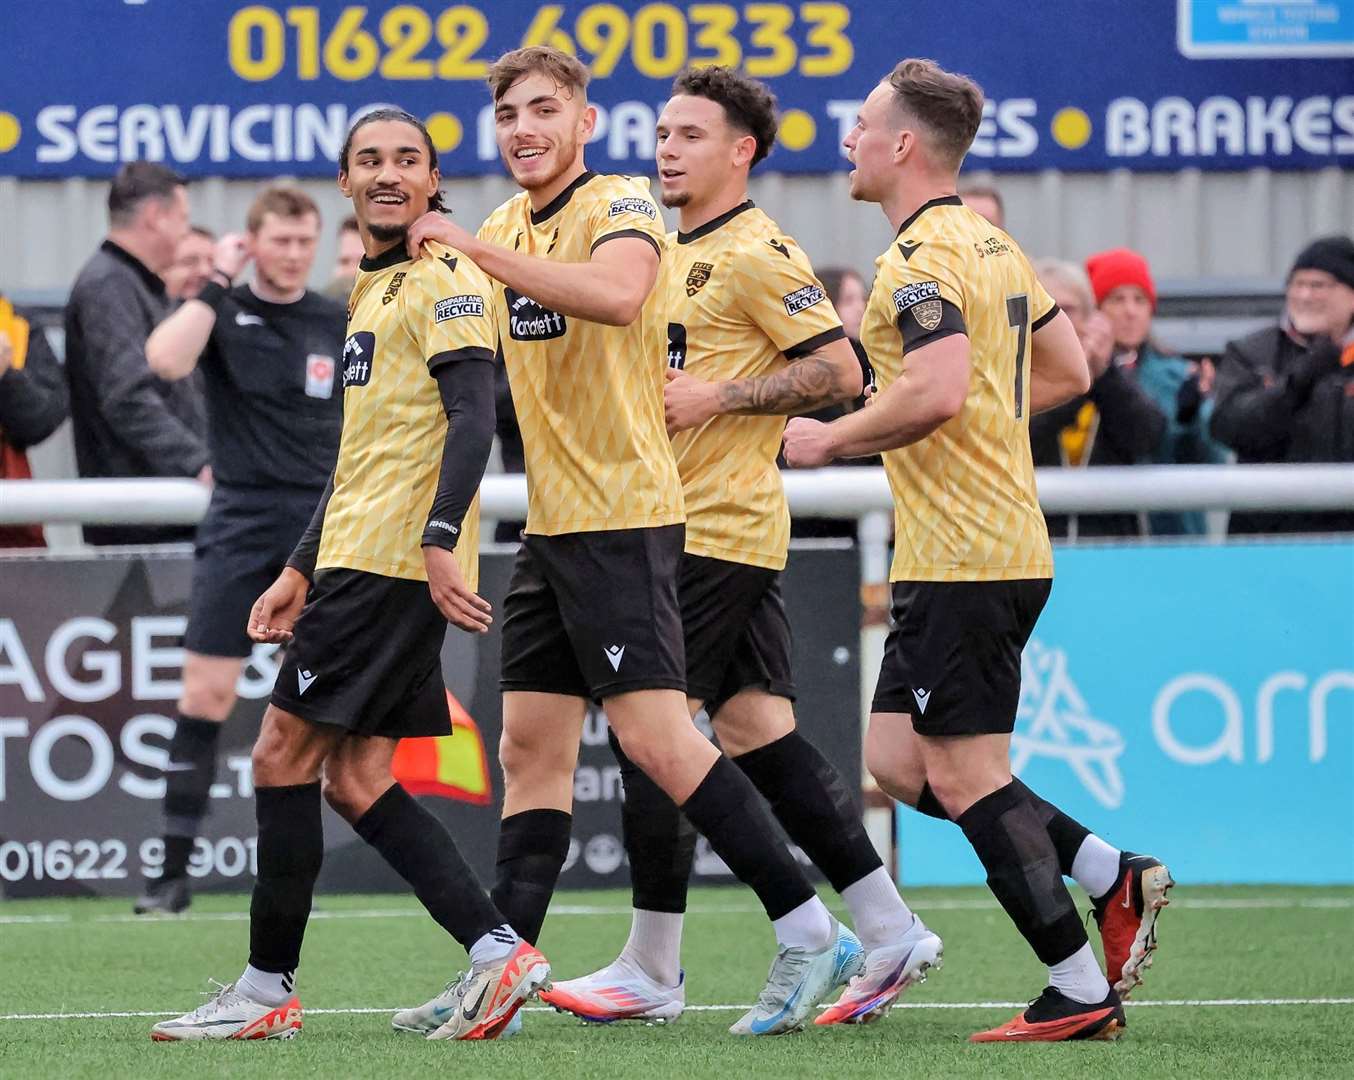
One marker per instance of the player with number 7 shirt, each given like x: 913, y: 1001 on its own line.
x: 967, y: 344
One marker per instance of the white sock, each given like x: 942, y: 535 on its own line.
x: 1096, y: 867
x: 809, y: 926
x: 494, y: 946
x: 1080, y: 977
x: 268, y: 987
x: 878, y: 913
x: 655, y: 945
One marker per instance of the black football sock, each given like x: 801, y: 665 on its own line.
x: 1022, y: 871
x: 422, y: 852
x: 188, y: 785
x: 811, y: 802
x: 290, y: 851
x: 1066, y: 833
x: 532, y: 847
x: 726, y: 809
x: 659, y: 842
x: 928, y: 804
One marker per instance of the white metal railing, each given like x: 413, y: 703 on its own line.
x: 824, y: 492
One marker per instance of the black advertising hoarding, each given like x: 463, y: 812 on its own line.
x: 90, y: 663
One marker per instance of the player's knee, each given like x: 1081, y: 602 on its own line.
x: 345, y: 792
x: 281, y: 755
x: 522, y: 755
x: 900, y: 774
x: 958, y: 789
x: 206, y: 699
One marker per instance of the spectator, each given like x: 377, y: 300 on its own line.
x: 33, y: 402
x: 350, y: 253
x: 192, y: 263
x: 846, y: 289
x: 1286, y: 393
x: 985, y: 200
x: 1116, y: 423
x: 126, y: 421
x: 1127, y: 295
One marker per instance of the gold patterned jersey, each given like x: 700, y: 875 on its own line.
x: 965, y: 505
x: 589, y: 397
x: 744, y: 302
x: 406, y: 317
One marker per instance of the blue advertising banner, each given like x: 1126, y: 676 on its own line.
x: 1192, y: 702
x: 229, y: 88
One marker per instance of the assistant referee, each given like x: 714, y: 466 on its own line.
x: 269, y: 353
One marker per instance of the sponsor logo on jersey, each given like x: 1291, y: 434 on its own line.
x: 529, y: 321
x: 676, y: 345
x: 915, y: 293
x: 392, y: 290
x: 455, y: 307
x: 358, y: 353
x: 780, y: 247
x: 632, y: 205
x: 802, y: 299
x: 697, y: 276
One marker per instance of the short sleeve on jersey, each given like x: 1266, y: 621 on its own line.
x: 780, y: 293
x: 449, y: 309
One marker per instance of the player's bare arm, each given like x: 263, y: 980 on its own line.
x: 826, y: 376
x: 173, y: 348
x: 929, y: 392
x: 609, y: 288
x: 1058, y: 368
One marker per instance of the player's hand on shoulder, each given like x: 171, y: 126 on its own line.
x: 231, y: 254
x: 688, y: 402
x: 434, y: 226
x: 274, y: 615
x: 458, y: 603
x: 807, y: 443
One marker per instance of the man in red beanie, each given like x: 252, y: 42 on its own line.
x: 1127, y: 295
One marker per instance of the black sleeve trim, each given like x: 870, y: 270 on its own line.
x: 1044, y: 319
x: 307, y: 549
x: 468, y: 397
x: 794, y: 352
x: 640, y: 233
x: 469, y: 352
x: 916, y: 334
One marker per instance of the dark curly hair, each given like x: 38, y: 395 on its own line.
x: 400, y: 116
x: 748, y: 105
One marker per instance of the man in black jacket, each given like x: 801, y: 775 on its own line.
x: 127, y: 422
x: 1286, y: 393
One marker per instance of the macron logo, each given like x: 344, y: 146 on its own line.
x: 614, y: 653
x: 922, y: 696
x: 303, y: 680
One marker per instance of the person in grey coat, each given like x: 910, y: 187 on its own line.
x: 127, y: 422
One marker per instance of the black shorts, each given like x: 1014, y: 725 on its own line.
x: 242, y: 545
x: 952, y: 658
x: 736, y: 632
x: 595, y: 614
x: 367, y: 657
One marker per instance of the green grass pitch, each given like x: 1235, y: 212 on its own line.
x: 1249, y: 982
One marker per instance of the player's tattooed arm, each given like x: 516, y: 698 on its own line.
x: 825, y: 376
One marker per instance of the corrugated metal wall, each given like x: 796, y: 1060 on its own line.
x: 1190, y: 224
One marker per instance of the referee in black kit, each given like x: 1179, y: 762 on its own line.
x: 269, y: 353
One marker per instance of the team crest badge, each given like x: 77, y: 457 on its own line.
x: 392, y: 290
x: 927, y: 314
x: 697, y: 276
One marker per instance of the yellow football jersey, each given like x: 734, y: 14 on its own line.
x: 589, y: 397
x: 966, y: 508
x: 404, y: 318
x: 744, y: 302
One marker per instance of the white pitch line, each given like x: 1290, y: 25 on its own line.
x: 1319, y: 903
x: 1182, y: 1003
